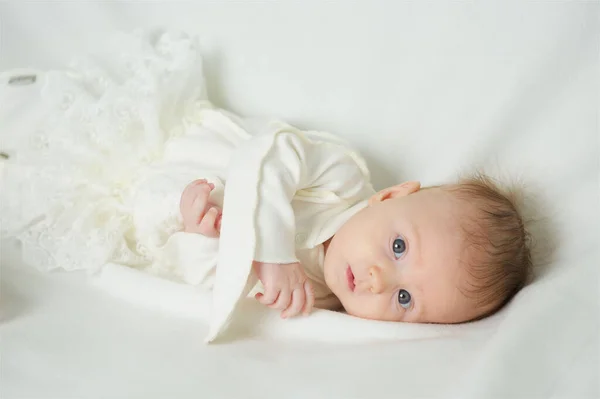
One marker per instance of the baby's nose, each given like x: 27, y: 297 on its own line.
x: 377, y: 280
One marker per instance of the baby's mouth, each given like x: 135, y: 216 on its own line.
x: 350, y: 278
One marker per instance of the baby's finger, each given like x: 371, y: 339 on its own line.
x: 298, y: 300
x: 199, y: 208
x: 190, y: 189
x: 193, y: 183
x: 284, y: 300
x: 269, y: 297
x: 187, y: 196
x: 310, y: 298
x: 199, y: 188
x: 208, y: 223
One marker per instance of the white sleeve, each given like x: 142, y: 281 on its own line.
x: 297, y: 161
x: 265, y: 173
x: 283, y: 172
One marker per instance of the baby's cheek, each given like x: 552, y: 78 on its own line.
x: 363, y: 307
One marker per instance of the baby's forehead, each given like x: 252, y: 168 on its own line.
x: 443, y: 220
x: 454, y: 221
x: 442, y: 198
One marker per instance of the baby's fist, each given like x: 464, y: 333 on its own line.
x: 286, y: 288
x: 198, y: 214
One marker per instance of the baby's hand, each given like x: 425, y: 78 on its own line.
x: 286, y: 288
x: 199, y: 215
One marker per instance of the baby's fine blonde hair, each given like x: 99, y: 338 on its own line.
x: 498, y: 244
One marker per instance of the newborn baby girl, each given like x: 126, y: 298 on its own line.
x: 102, y: 153
x: 445, y: 254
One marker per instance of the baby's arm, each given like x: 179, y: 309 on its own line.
x: 286, y: 286
x: 282, y: 174
x: 296, y: 163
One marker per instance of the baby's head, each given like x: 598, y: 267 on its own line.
x: 444, y: 254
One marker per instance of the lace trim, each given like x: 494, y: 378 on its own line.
x: 67, y: 191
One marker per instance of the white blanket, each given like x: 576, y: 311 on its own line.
x: 425, y: 92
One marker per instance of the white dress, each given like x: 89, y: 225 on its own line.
x: 100, y: 153
x: 79, y: 139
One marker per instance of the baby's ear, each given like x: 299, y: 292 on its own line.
x: 400, y: 190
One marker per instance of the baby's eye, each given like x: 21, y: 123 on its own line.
x: 404, y: 299
x: 398, y: 247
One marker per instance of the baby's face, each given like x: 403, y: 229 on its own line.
x: 399, y: 259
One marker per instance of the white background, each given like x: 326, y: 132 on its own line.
x: 424, y: 90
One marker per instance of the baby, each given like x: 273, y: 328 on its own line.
x: 108, y: 146
x: 445, y: 254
